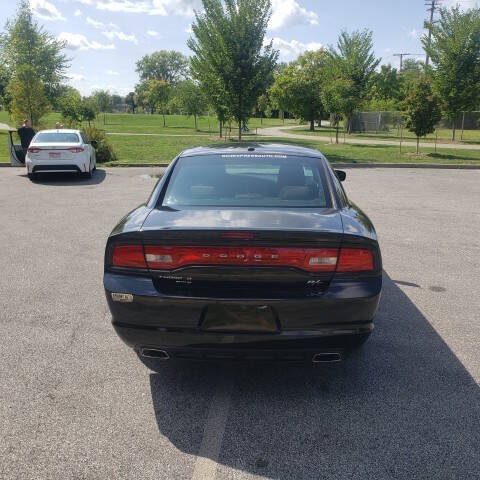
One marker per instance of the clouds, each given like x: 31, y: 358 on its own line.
x: 97, y: 24
x: 111, y: 35
x: 113, y: 73
x: 76, y: 77
x: 45, y: 10
x: 292, y: 48
x: 288, y: 13
x: 77, y: 41
x: 152, y: 33
x: 414, y: 34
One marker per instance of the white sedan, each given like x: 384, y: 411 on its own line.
x: 61, y: 151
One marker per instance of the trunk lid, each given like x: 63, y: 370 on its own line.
x: 251, y: 230
x: 55, y: 153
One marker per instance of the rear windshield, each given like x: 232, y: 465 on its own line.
x: 57, y: 137
x: 238, y: 180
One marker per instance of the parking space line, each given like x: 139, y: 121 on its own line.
x: 206, y: 463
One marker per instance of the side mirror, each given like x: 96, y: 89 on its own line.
x: 341, y: 175
x: 94, y: 144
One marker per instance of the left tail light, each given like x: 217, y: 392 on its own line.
x: 33, y: 150
x: 128, y: 256
x: 76, y: 149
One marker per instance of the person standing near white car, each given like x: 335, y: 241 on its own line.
x: 64, y: 150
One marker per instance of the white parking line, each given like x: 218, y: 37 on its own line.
x: 206, y: 463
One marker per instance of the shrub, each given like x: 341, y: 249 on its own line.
x: 104, y: 150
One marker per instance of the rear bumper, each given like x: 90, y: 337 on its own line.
x: 339, y: 318
x: 37, y: 166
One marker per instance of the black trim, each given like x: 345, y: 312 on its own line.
x: 49, y: 168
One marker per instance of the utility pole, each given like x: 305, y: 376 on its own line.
x: 401, y: 55
x: 432, y: 6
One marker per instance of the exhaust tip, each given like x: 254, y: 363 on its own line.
x: 327, y: 357
x: 154, y: 353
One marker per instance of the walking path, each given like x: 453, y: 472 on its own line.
x: 283, y: 132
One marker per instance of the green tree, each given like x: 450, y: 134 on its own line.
x: 338, y: 97
x: 103, y: 101
x: 213, y: 88
x: 70, y: 106
x: 297, y: 88
x: 167, y: 65
x: 87, y: 111
x: 131, y: 101
x: 191, y: 99
x: 354, y: 62
x: 263, y: 106
x: 229, y: 36
x: 27, y: 94
x: 386, y: 84
x: 422, y: 109
x: 24, y: 42
x: 158, y: 94
x: 455, y: 52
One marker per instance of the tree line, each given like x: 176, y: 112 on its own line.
x: 235, y: 74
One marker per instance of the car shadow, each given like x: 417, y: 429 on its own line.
x: 401, y: 407
x: 70, y: 179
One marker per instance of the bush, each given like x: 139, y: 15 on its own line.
x: 104, y: 151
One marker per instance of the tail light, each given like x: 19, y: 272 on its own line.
x: 355, y: 260
x: 76, y: 149
x: 129, y: 256
x: 308, y: 259
x: 33, y: 150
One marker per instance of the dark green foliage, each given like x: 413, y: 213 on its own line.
x: 228, y: 37
x: 353, y: 63
x: 167, y: 65
x: 24, y: 42
x: 422, y: 109
x: 297, y: 88
x: 455, y: 54
x: 104, y: 150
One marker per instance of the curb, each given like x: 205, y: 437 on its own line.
x: 444, y: 166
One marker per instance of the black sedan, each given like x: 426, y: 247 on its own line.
x: 251, y: 252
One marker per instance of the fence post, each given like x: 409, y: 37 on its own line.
x: 463, y: 124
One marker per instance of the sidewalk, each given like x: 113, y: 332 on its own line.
x: 282, y: 132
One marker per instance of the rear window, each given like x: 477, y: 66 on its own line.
x: 57, y: 137
x: 238, y: 180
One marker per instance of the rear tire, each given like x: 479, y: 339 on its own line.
x: 88, y: 174
x: 32, y: 177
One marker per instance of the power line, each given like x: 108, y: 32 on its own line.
x: 432, y: 6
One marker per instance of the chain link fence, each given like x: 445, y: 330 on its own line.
x: 467, y: 125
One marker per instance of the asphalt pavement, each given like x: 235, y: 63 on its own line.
x: 75, y: 403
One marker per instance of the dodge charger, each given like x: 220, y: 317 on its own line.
x: 247, y: 253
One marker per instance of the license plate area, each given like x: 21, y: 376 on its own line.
x: 239, y: 318
x: 54, y: 154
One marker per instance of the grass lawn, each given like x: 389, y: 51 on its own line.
x: 142, y: 123
x: 162, y: 149
x: 444, y: 135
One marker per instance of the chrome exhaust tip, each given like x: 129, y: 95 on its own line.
x: 327, y: 357
x: 154, y: 353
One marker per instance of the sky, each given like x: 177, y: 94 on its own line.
x: 105, y: 38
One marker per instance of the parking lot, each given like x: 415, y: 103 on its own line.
x: 75, y: 403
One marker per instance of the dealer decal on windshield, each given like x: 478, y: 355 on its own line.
x: 254, y: 155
